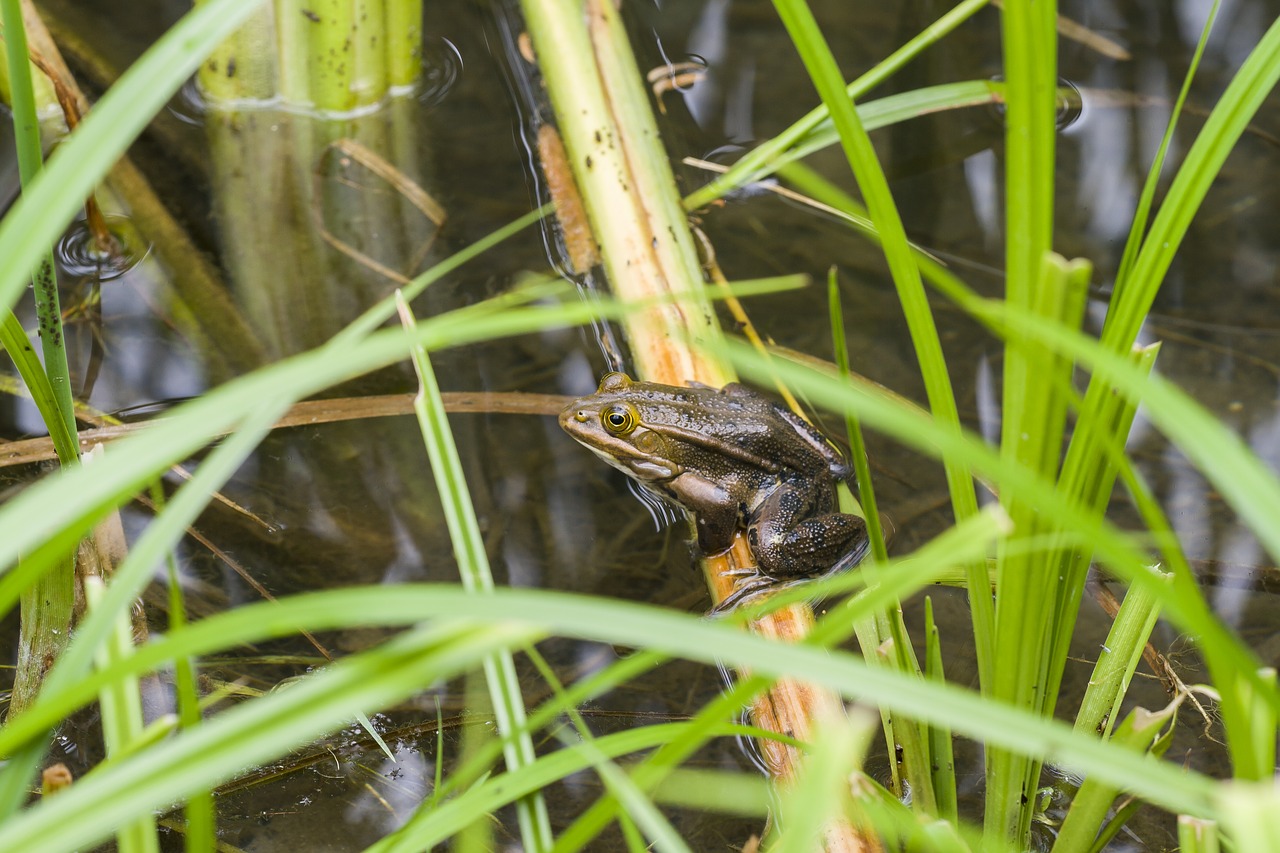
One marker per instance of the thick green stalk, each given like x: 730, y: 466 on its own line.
x: 1033, y: 411
x: 1089, y: 808
x: 1118, y: 659
x: 47, y: 605
x: 243, y: 67
x: 403, y: 31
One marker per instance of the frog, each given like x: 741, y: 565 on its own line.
x: 736, y: 461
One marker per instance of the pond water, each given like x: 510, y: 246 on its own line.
x: 353, y: 503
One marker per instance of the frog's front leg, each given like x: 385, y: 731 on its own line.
x: 794, y: 532
x: 716, y: 514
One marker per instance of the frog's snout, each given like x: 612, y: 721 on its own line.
x: 571, y: 416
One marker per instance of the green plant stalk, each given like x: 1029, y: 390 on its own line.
x: 1119, y: 658
x: 369, y: 79
x: 26, y: 127
x: 293, y: 28
x: 1027, y: 584
x: 244, y: 67
x: 1030, y: 407
x: 1197, y: 835
x: 1142, y: 215
x: 758, y: 160
x: 872, y: 632
x: 16, y: 343
x: 1089, y: 807
x: 1111, y: 429
x: 857, y: 446
x: 473, y: 566
x: 200, y: 830
x: 403, y: 31
x: 941, y: 756
x: 330, y: 48
x: 121, y: 705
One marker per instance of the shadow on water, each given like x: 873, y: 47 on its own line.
x: 353, y: 503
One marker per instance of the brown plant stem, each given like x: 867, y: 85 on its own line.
x: 628, y: 190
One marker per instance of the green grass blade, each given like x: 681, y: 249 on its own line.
x: 758, y: 161
x: 199, y: 834
x: 1142, y: 214
x: 825, y: 74
x: 473, y: 565
x: 1244, y: 95
x: 121, y: 706
x: 668, y: 633
x: 251, y: 733
x: 30, y: 157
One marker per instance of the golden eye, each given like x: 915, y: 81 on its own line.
x: 620, y: 419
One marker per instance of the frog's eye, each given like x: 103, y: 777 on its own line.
x: 619, y: 419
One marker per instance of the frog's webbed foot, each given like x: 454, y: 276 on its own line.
x: 746, y: 592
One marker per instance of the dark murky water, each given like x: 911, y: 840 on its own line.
x: 353, y: 503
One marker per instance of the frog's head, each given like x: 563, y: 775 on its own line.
x: 611, y: 424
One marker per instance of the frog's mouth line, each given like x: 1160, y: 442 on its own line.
x: 635, y: 465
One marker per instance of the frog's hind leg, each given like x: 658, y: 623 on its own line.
x: 786, y: 547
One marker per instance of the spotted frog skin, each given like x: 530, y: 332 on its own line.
x: 733, y: 458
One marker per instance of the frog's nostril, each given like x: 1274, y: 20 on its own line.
x: 580, y: 416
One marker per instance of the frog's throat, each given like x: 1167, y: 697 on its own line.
x: 639, y: 468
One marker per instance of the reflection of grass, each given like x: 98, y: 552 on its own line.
x: 1055, y: 507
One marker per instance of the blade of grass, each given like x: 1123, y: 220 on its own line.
x: 1142, y: 215
x: 669, y: 633
x: 858, y: 149
x: 941, y: 756
x: 871, y: 178
x: 759, y: 160
x: 199, y: 833
x: 26, y: 127
x: 473, y: 565
x: 252, y: 732
x: 121, y: 705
